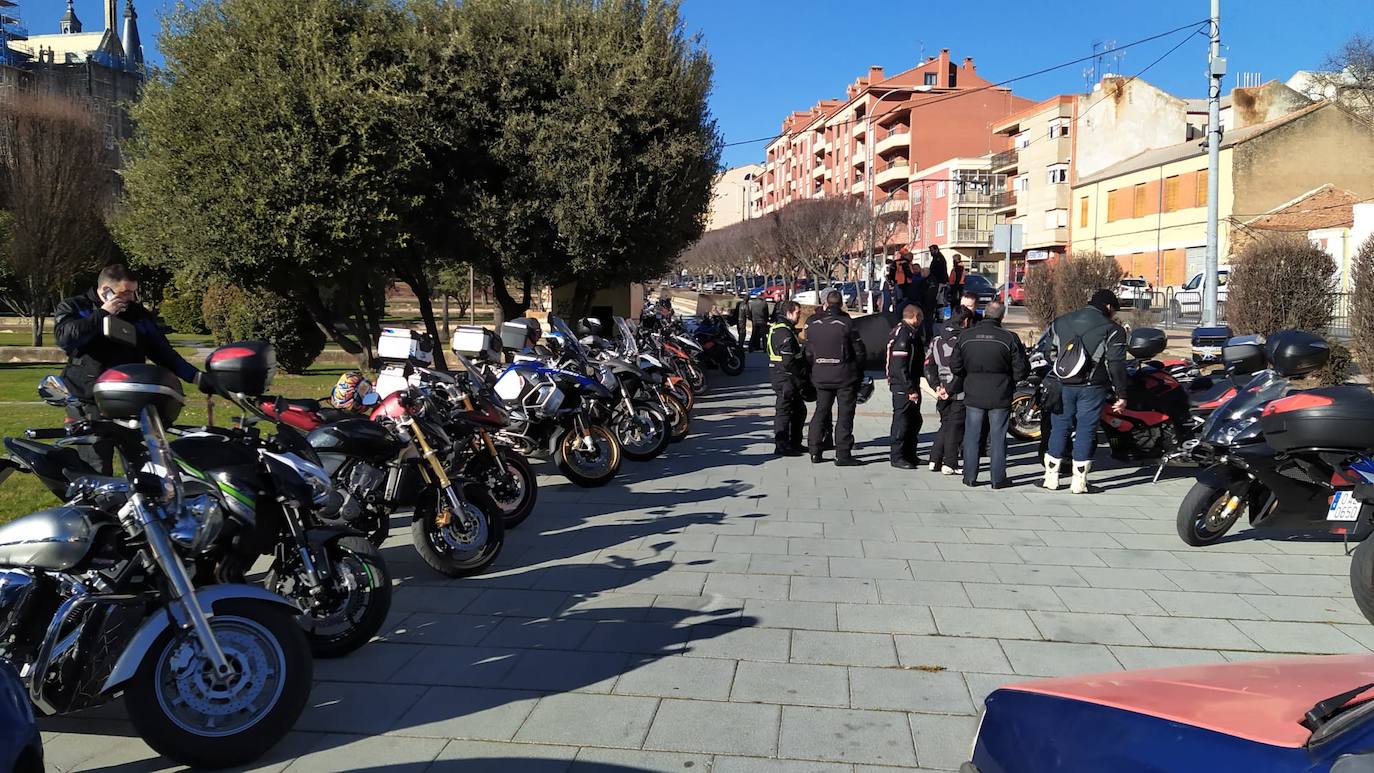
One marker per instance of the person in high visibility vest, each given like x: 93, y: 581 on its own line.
x: 790, y: 373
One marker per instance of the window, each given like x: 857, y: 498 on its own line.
x: 939, y: 228
x: 939, y: 190
x: 1059, y: 127
x: 916, y: 196
x: 1021, y: 141
x: 1056, y: 218
x: 931, y: 79
x: 1083, y: 212
x: 1171, y: 194
x: 1023, y: 183
x: 1193, y: 283
x: 1058, y: 173
x: 1138, y: 201
x: 1112, y: 214
x: 1202, y: 188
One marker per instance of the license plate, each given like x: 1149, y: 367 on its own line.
x: 1207, y: 351
x: 1344, y: 507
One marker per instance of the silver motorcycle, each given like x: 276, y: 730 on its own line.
x: 96, y: 600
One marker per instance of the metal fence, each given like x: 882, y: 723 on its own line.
x: 1162, y: 312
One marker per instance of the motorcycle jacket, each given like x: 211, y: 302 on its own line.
x: 758, y: 311
x: 938, y: 358
x: 77, y: 325
x: 987, y: 363
x: 785, y: 356
x: 834, y: 349
x: 904, y: 353
x: 1103, y: 340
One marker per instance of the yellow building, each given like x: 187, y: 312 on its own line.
x: 1150, y: 211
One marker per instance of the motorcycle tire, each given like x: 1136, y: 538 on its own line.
x: 696, y: 378
x: 376, y: 527
x: 364, y: 605
x: 679, y: 419
x: 570, y: 463
x: 436, y: 549
x: 732, y: 364
x: 1362, y: 578
x: 273, y: 636
x: 1196, y: 510
x: 654, y: 441
x: 1025, y: 418
x: 514, y: 508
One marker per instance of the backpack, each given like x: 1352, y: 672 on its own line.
x: 1073, y: 364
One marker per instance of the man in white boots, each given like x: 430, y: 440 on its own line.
x: 1089, y: 357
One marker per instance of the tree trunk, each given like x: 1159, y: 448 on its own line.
x: 420, y: 287
x: 507, y: 307
x: 37, y: 320
x: 324, y: 320
x: 583, y: 294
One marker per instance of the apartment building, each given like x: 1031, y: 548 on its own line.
x: 1037, y: 170
x: 952, y: 206
x: 733, y: 196
x: 883, y: 134
x: 1149, y: 211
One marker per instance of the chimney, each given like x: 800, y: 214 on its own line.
x: 968, y: 63
x: 875, y: 73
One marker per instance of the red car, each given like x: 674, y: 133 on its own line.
x: 779, y: 292
x: 1016, y: 293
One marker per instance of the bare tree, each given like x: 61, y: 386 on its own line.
x: 56, y: 190
x: 814, y: 234
x: 1347, y: 76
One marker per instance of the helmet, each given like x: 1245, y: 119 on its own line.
x: 349, y: 390
x: 591, y: 326
x: 865, y: 389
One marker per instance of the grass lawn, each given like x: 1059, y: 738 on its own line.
x: 20, y: 409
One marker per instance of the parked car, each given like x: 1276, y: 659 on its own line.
x: 1293, y: 714
x: 755, y: 292
x: 779, y: 291
x: 1188, y: 300
x: 1134, y: 293
x: 979, y: 285
x: 21, y: 747
x: 1016, y: 294
x: 816, y: 298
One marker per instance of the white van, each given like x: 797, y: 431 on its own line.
x: 1188, y: 300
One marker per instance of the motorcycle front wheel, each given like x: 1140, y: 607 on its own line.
x: 443, y: 541
x: 643, y: 434
x: 696, y: 377
x: 679, y: 419
x: 1025, y: 418
x: 1202, y: 517
x: 732, y: 364
x: 585, y: 468
x: 354, y: 603
x: 512, y: 485
x: 191, y: 715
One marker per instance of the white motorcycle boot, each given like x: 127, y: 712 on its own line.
x: 1051, y: 482
x: 1080, y: 477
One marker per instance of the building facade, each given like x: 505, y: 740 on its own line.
x: 1037, y: 167
x: 733, y: 196
x: 951, y: 206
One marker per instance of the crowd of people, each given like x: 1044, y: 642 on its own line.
x: 970, y: 363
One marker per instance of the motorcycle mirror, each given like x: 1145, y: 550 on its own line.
x: 371, y: 399
x: 54, y: 390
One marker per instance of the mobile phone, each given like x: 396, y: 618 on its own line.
x: 107, y: 294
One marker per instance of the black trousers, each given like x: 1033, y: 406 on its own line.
x: 758, y: 337
x: 789, y: 415
x: 826, y: 398
x: 101, y: 455
x: 949, y: 440
x: 906, y: 426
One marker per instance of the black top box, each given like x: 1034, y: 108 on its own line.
x: 243, y: 367
x: 1296, y: 353
x: 1244, y: 355
x: 1146, y: 342
x: 122, y: 392
x: 1336, y: 418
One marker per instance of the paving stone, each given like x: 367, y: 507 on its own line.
x: 789, y: 529
x: 362, y: 709
x: 952, y: 653
x: 751, y: 544
x: 812, y: 615
x: 843, y: 735
x: 922, y: 592
x: 436, y: 628
x: 1143, y: 559
x: 736, y: 563
x: 1047, y: 658
x: 1063, y: 557
x: 983, y: 623
x: 1087, y: 628
x: 942, y: 692
x: 748, y: 586
x: 1306, y: 609
x: 491, y: 757
x: 942, y: 742
x: 1316, y: 638
x: 766, y: 765
x: 740, y: 643
x: 1302, y: 584
x: 888, y: 568
x: 1192, y: 632
x: 376, y: 662
x: 1138, y: 579
x: 806, y: 546
x: 694, y: 610
x: 1006, y: 596
x: 1132, y: 658
x: 563, y: 671
x: 678, y: 677
x: 553, y: 633
x: 337, y: 752
x: 885, y: 618
x: 990, y: 554
x: 1033, y: 574
x: 1109, y: 600
x: 791, y: 683
x: 843, y: 648
x: 607, y: 606
x: 1214, y: 605
x: 806, y: 566
x: 840, y: 589
x: 1003, y: 536
x: 921, y: 551
x: 517, y: 603
x: 465, y: 712
x: 1215, y: 582
x: 591, y: 760
x: 594, y: 720
x: 952, y: 571
x: 704, y: 726
x: 456, y: 666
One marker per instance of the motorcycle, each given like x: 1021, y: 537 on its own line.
x: 640, y: 415
x: 719, y: 346
x: 1278, y: 483
x: 96, y: 599
x: 671, y: 390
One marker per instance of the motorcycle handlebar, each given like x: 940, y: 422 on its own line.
x: 45, y: 434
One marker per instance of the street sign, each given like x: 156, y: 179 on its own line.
x: 1007, y: 238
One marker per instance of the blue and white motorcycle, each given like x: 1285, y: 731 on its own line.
x: 556, y: 409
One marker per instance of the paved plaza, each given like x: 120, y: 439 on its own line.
x: 720, y: 609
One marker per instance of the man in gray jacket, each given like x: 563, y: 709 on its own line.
x: 1093, y: 336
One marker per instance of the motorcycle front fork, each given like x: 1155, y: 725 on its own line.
x: 433, y: 467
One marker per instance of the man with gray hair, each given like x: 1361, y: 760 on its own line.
x: 987, y: 362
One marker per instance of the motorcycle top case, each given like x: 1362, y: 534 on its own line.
x: 125, y: 390
x: 1244, y: 355
x: 1296, y: 352
x: 1146, y: 342
x: 401, y: 345
x: 244, y: 367
x: 477, y: 342
x: 1340, y: 417
x: 515, y: 332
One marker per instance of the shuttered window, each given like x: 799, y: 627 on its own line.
x: 1112, y: 214
x: 1083, y: 212
x: 1202, y: 188
x: 1171, y: 193
x: 1138, y: 202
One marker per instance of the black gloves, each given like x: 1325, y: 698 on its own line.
x: 207, y: 383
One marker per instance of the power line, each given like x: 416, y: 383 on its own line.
x: 999, y: 84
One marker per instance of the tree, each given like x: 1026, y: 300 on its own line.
x: 1063, y: 284
x: 814, y: 234
x: 1280, y: 282
x: 1362, y: 306
x: 277, y: 150
x: 1347, y: 76
x: 55, y: 188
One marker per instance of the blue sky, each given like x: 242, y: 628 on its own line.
x: 775, y: 56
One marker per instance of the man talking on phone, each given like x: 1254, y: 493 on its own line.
x: 104, y: 327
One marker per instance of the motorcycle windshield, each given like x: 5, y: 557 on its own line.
x: 628, y: 345
x: 1244, y: 409
x: 570, y: 343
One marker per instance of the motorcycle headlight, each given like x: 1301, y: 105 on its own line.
x: 199, y: 523
x: 321, y: 487
x: 608, y: 378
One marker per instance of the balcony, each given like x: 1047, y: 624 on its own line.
x: 1005, y: 160
x: 970, y: 238
x: 1003, y: 200
x: 900, y: 140
x: 859, y: 187
x: 893, y: 173
x: 860, y: 156
x: 893, y: 204
x: 819, y: 171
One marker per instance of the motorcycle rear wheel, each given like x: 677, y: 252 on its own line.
x: 1362, y: 578
x: 363, y: 597
x: 1025, y: 418
x: 679, y: 419
x: 523, y: 487
x: 1199, y: 515
x: 732, y: 364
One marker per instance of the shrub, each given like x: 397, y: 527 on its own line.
x: 1039, y: 287
x: 1337, y: 370
x: 234, y: 314
x: 1062, y: 285
x: 1362, y: 306
x: 1280, y: 282
x: 181, y: 308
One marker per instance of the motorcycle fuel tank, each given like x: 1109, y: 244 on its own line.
x: 55, y: 539
x: 362, y: 438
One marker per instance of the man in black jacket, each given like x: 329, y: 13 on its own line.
x: 987, y: 362
x: 836, y: 354
x: 758, y: 316
x: 905, y: 354
x: 1083, y: 394
x: 788, y: 370
x: 79, y: 325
